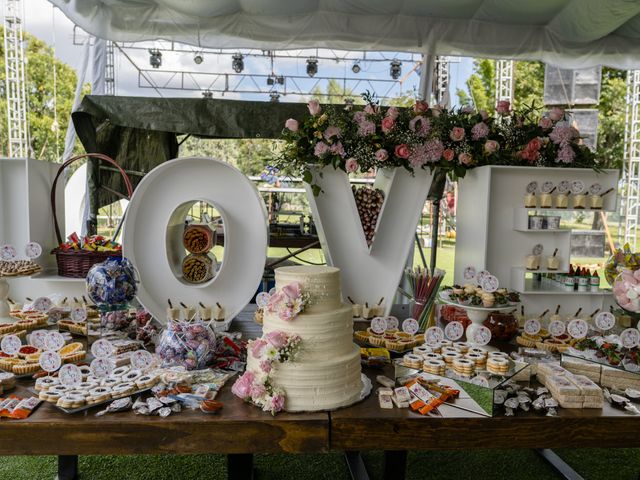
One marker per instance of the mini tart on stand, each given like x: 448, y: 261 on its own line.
x: 70, y: 349
x: 27, y: 350
x: 7, y: 329
x: 24, y: 368
x: 361, y: 335
x: 74, y: 357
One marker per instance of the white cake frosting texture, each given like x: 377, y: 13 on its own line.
x: 326, y: 373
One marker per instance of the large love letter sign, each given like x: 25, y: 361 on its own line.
x: 369, y: 274
x: 154, y: 223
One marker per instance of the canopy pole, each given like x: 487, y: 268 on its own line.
x: 426, y: 77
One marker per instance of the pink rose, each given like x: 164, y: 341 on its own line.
x: 257, y: 392
x: 483, y: 114
x: 292, y: 124
x: 257, y: 347
x: 491, y: 146
x: 503, y: 107
x: 420, y: 107
x: 276, y: 338
x: 545, y: 123
x: 420, y: 125
x: 465, y: 159
x: 292, y: 290
x: 448, y: 154
x: 351, y: 165
x: 566, y: 154
x: 534, y: 144
x: 277, y: 402
x: 359, y: 116
x: 320, y: 149
x: 265, y: 366
x: 387, y: 124
x: 479, y: 130
x: 467, y: 109
x: 381, y: 155
x: 402, y: 151
x: 332, y: 131
x: 456, y: 134
x: 392, y: 112
x: 242, y: 387
x: 371, y: 109
x: 314, y: 107
x: 436, y: 111
x: 338, y: 149
x: 366, y: 127
x: 556, y: 113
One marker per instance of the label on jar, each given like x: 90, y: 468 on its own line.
x: 547, y: 187
x: 532, y: 187
x: 564, y: 186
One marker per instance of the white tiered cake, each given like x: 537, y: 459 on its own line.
x: 326, y: 373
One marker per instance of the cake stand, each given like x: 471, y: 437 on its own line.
x: 477, y: 315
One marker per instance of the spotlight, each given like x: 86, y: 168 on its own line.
x: 348, y: 103
x: 355, y: 68
x: 155, y: 57
x: 207, y: 94
x: 312, y: 66
x: 395, y: 70
x: 237, y: 63
x: 198, y: 59
x: 274, y: 97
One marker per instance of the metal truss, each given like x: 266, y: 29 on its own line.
x: 110, y: 70
x: 441, y: 79
x: 631, y: 194
x: 18, y: 126
x: 504, y: 80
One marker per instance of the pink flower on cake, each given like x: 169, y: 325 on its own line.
x: 556, y: 114
x: 320, y: 149
x: 479, y: 130
x: 392, y: 112
x: 292, y: 124
x: 271, y: 353
x: 420, y: 125
x: 465, y: 159
x: 242, y: 387
x: 332, y: 131
x: 265, y: 366
x: 277, y: 402
x: 257, y: 392
x: 491, y: 146
x: 402, y: 151
x: 420, y: 107
x: 387, y: 124
x: 351, y: 165
x: 314, y: 107
x: 545, y: 123
x: 456, y: 134
x: 257, y: 347
x: 381, y: 155
x: 448, y: 154
x: 503, y: 107
x: 277, y: 338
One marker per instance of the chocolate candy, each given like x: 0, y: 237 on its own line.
x: 188, y: 344
x: 112, y: 282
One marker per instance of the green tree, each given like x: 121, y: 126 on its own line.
x: 528, y: 90
x: 45, y: 144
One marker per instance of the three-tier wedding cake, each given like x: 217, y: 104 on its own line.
x: 326, y: 373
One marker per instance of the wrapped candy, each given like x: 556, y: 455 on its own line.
x: 626, y: 290
x: 191, y: 345
x: 93, y: 243
x: 112, y: 282
x: 115, y: 320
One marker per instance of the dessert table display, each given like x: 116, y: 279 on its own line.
x: 12, y: 267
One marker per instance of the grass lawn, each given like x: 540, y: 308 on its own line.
x: 619, y: 464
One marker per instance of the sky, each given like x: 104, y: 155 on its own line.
x: 52, y: 26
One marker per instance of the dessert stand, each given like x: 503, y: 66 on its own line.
x: 477, y: 315
x: 4, y: 298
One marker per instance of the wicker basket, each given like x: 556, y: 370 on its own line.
x: 77, y: 263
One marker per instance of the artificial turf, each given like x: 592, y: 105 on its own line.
x: 618, y: 464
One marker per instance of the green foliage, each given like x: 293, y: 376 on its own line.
x: 528, y: 91
x: 45, y: 144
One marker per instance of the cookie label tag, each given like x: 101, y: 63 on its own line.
x: 481, y: 335
x: 454, y: 330
x: 578, y: 328
x: 410, y: 326
x: 546, y: 187
x: 54, y: 341
x: 564, y: 187
x: 141, y: 359
x: 42, y: 304
x: 605, y: 320
x: 70, y: 375
x: 557, y: 328
x: 262, y: 299
x: 378, y: 325
x: 532, y: 326
x: 392, y: 322
x: 102, y: 348
x: 78, y: 314
x: 469, y: 274
x: 37, y: 338
x: 577, y: 187
x: 630, y: 337
x: 7, y: 252
x: 50, y: 361
x: 33, y: 250
x: 433, y: 336
x: 532, y: 187
x: 10, y: 344
x: 490, y: 283
x: 102, y: 367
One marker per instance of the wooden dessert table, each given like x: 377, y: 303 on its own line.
x: 240, y: 430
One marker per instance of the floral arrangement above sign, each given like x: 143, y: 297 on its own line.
x: 355, y: 138
x: 257, y: 386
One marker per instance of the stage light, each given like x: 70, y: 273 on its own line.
x: 355, y: 68
x: 198, y: 58
x: 312, y: 66
x: 237, y: 63
x: 274, y: 97
x: 155, y: 58
x: 207, y: 94
x: 395, y: 70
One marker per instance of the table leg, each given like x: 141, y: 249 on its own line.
x: 240, y: 466
x: 67, y: 467
x: 560, y: 465
x: 395, y: 464
x: 357, y: 469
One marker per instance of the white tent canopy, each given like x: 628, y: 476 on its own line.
x: 567, y: 33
